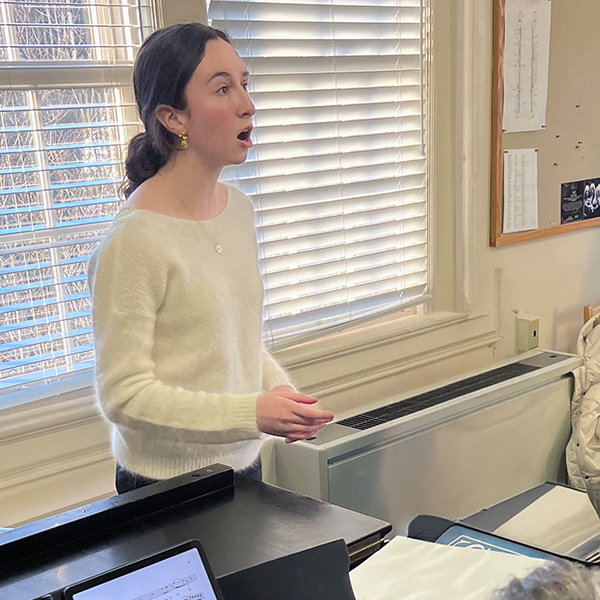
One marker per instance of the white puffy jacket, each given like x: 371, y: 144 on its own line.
x: 583, y: 449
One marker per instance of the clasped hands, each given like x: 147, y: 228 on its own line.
x: 286, y: 413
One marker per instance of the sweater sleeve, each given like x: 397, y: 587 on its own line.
x: 273, y: 373
x: 128, y: 284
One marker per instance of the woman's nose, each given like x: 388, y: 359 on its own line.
x: 247, y: 107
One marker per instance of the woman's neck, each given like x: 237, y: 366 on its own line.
x: 194, y: 185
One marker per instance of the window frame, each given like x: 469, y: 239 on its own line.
x: 34, y: 76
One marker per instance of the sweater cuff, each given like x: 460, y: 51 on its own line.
x: 243, y: 413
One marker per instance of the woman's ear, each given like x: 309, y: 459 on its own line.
x: 172, y: 119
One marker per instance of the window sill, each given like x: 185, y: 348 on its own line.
x: 387, y: 348
x: 22, y: 418
x: 323, y: 365
x: 385, y: 330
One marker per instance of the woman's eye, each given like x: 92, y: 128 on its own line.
x: 245, y: 86
x: 223, y: 90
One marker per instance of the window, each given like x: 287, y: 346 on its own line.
x: 338, y: 171
x: 66, y: 113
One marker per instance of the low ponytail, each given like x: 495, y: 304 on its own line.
x: 143, y: 161
x: 163, y: 68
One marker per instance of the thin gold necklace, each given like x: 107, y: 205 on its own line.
x: 218, y: 246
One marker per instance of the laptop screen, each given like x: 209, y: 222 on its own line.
x: 180, y: 575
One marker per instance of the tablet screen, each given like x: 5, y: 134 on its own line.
x: 181, y: 576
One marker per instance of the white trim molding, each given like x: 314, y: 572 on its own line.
x: 371, y: 362
x: 50, y: 415
x: 54, y: 454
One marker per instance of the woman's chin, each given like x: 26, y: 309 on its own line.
x: 240, y: 160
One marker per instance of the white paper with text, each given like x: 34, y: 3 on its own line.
x: 520, y: 190
x: 526, y: 64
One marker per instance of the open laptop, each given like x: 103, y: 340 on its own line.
x: 178, y: 573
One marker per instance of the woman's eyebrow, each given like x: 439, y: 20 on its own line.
x: 227, y: 75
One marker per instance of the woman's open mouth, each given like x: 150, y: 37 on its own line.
x: 244, y: 137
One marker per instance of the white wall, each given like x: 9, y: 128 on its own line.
x: 551, y: 278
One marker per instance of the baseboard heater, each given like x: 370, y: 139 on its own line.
x: 448, y: 451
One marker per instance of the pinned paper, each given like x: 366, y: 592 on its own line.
x: 520, y: 190
x: 526, y: 64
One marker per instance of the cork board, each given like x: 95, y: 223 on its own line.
x: 569, y: 146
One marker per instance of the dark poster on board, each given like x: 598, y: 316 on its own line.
x: 580, y: 200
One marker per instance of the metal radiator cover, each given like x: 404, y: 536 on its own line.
x: 449, y: 451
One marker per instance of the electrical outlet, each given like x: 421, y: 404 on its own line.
x: 528, y: 330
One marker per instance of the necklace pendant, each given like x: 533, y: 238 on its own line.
x: 218, y: 248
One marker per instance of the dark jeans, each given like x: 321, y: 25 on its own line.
x: 126, y: 481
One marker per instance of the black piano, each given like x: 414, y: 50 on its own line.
x: 254, y: 535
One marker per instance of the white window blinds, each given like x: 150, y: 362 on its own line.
x: 66, y: 113
x: 338, y: 171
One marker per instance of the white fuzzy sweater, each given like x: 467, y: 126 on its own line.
x: 178, y: 335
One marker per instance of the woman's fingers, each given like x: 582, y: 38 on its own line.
x: 279, y: 414
x: 298, y: 397
x: 311, y: 421
x: 302, y: 432
x: 312, y: 413
x: 303, y: 429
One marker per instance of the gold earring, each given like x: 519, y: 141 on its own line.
x: 184, y: 141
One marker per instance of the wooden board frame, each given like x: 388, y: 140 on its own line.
x: 497, y: 238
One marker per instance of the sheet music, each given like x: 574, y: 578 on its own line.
x: 410, y: 569
x: 526, y: 64
x: 520, y: 190
x: 560, y: 521
x: 179, y: 577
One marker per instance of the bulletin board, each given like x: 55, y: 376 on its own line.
x: 568, y: 149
